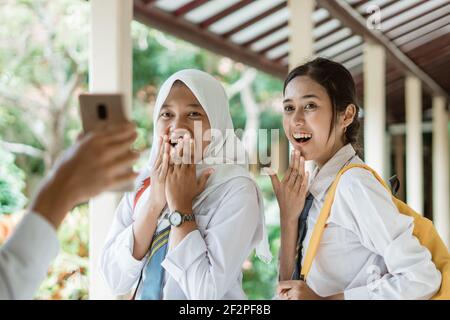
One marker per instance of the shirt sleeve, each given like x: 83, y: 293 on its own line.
x: 206, y: 266
x: 26, y: 257
x: 117, y: 265
x: 411, y: 274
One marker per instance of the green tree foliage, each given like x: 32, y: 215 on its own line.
x: 260, y: 279
x: 43, y: 61
x: 11, y: 184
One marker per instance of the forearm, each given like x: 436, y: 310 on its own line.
x: 288, y: 246
x: 143, y: 230
x: 53, y: 201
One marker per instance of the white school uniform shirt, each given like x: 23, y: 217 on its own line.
x: 207, y: 263
x: 367, y: 250
x: 26, y: 256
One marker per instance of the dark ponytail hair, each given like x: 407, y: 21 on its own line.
x: 340, y: 86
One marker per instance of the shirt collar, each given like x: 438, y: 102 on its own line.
x: 323, y: 178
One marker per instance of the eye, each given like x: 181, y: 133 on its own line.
x: 310, y: 106
x: 165, y: 115
x: 194, y: 114
x: 288, y: 108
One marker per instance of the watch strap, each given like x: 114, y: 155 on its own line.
x: 188, y: 217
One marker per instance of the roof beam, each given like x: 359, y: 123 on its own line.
x: 265, y: 34
x: 187, y: 31
x: 189, y: 7
x: 254, y: 20
x: 348, y: 16
x: 222, y: 14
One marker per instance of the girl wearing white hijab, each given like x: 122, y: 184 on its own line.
x: 187, y: 235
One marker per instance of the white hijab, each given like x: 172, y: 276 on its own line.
x: 225, y: 153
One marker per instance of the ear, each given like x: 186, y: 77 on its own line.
x: 349, y: 115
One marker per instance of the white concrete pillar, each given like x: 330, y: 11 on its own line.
x: 441, y: 187
x: 301, y: 41
x: 301, y: 24
x: 110, y: 71
x: 414, y: 142
x: 374, y: 71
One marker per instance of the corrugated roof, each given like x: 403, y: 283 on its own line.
x: 257, y: 33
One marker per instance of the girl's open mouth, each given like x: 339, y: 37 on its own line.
x: 302, y: 138
x: 175, y: 139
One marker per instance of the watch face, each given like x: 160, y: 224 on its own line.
x: 175, y: 219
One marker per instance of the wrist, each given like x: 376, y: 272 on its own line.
x: 184, y: 210
x: 289, y: 215
x: 154, y: 210
x: 52, y: 202
x: 288, y: 221
x: 182, y: 207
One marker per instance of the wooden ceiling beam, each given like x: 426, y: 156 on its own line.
x: 226, y: 12
x: 187, y: 31
x: 254, y: 20
x: 188, y: 7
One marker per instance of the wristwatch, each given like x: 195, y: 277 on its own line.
x: 176, y: 218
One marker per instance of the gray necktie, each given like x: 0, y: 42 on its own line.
x: 302, y: 228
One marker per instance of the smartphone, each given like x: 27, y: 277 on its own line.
x: 100, y: 111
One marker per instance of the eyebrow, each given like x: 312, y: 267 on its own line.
x: 304, y: 97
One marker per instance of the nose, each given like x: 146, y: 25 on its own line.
x: 298, y: 119
x: 178, y: 128
x: 175, y: 124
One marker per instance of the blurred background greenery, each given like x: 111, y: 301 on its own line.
x: 43, y: 68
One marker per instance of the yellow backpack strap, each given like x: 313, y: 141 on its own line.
x: 325, y: 213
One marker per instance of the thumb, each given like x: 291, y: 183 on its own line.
x: 204, y: 179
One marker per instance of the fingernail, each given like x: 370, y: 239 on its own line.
x: 268, y: 171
